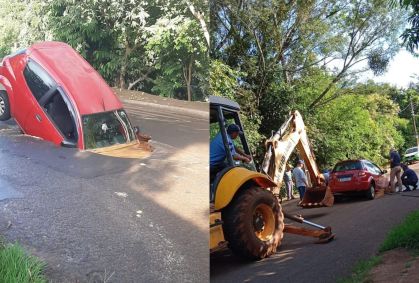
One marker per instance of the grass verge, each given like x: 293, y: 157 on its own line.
x: 404, y: 235
x: 17, y: 266
x: 361, y: 270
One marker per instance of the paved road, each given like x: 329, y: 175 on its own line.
x: 360, y: 228
x: 92, y: 217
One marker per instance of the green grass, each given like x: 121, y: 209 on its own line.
x: 18, y: 267
x: 361, y: 270
x: 405, y: 235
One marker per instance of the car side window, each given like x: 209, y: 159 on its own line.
x: 377, y: 169
x: 38, y: 80
x: 370, y: 167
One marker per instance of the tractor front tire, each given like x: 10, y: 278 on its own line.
x: 253, y: 223
x: 4, y: 106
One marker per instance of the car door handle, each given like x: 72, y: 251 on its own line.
x: 38, y: 117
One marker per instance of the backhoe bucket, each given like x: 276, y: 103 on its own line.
x: 317, y: 197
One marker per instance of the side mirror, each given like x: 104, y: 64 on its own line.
x: 68, y: 144
x: 136, y: 129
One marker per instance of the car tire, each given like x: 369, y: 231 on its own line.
x: 253, y: 223
x: 370, y: 194
x: 4, y: 106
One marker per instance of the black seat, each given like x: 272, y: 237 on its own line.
x: 58, y: 111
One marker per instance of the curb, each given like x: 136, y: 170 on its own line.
x: 200, y: 113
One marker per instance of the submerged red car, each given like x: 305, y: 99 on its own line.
x: 357, y: 176
x: 54, y: 94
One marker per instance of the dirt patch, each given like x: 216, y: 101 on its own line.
x: 398, y: 265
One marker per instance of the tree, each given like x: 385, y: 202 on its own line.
x: 21, y: 24
x: 267, y: 38
x: 109, y: 33
x: 411, y: 34
x: 178, y: 49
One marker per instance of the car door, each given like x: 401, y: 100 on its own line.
x: 373, y: 172
x: 22, y: 99
x: 41, y: 85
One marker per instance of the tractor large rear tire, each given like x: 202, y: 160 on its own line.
x: 4, y: 106
x: 253, y: 223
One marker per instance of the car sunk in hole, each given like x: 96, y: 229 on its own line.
x: 358, y: 176
x: 54, y: 94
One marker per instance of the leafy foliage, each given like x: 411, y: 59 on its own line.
x: 411, y: 34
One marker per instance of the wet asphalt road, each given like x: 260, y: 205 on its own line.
x: 360, y: 227
x: 94, y: 218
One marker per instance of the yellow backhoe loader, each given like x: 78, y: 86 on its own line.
x: 245, y: 214
x: 279, y: 147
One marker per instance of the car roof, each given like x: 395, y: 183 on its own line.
x: 351, y: 160
x: 80, y: 81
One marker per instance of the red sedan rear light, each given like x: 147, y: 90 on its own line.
x: 362, y: 173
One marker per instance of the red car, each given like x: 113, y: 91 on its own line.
x: 54, y: 94
x: 358, y: 176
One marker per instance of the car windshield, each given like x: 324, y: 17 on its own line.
x: 106, y: 129
x: 412, y: 150
x: 348, y: 165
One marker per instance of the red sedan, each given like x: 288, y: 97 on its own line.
x: 54, y: 94
x: 358, y: 176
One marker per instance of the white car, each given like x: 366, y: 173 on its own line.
x: 411, y: 155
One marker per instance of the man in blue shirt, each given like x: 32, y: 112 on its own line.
x: 218, y: 153
x: 300, y: 178
x: 409, y: 178
x: 395, y: 170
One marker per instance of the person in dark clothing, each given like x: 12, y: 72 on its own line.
x: 395, y: 171
x: 409, y: 178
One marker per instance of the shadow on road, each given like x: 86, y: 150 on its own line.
x: 154, y: 232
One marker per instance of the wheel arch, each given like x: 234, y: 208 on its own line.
x: 236, y: 179
x: 6, y: 86
x: 372, y: 182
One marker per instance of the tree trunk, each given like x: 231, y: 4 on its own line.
x: 200, y: 17
x: 187, y: 74
x: 123, y: 70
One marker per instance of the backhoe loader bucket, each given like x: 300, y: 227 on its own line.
x: 317, y: 197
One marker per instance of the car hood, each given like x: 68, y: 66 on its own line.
x: 131, y: 150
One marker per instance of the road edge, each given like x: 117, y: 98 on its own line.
x: 195, y: 112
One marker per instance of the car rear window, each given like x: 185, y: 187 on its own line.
x: 348, y: 165
x: 106, y: 129
x: 37, y: 79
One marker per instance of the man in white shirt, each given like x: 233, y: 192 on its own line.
x: 300, y: 178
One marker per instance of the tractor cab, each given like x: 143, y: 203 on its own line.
x: 224, y: 112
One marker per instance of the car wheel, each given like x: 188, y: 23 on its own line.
x: 253, y: 223
x: 4, y: 106
x: 370, y: 194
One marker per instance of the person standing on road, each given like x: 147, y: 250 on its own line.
x: 409, y: 178
x: 300, y: 178
x: 289, y: 186
x: 395, y: 170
